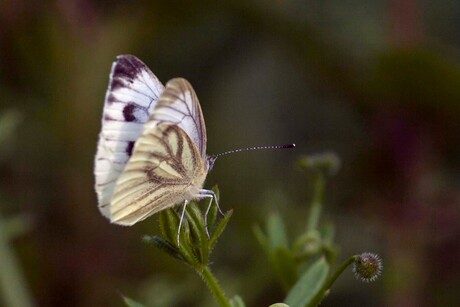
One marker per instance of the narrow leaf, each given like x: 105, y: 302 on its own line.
x: 131, y: 303
x: 276, y: 231
x: 196, y: 221
x: 216, y: 191
x: 169, y: 224
x: 164, y: 246
x: 212, y: 214
x: 261, y: 238
x: 197, y: 234
x: 219, y: 229
x: 308, y: 285
x: 237, y: 301
x: 285, y: 267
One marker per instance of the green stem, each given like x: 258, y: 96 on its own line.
x: 330, y: 281
x: 211, y: 281
x: 12, y: 282
x: 317, y: 201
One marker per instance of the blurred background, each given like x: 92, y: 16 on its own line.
x: 377, y: 82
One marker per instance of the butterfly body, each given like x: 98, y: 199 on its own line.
x: 152, y: 148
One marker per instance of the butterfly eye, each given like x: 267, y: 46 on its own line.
x: 211, y: 160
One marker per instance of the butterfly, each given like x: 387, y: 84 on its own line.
x: 151, y: 153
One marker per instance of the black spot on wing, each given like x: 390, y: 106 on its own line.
x: 111, y: 98
x: 129, y: 148
x: 127, y: 67
x: 108, y: 117
x: 128, y: 113
x: 116, y: 84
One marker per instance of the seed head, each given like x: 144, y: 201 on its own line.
x: 367, y: 267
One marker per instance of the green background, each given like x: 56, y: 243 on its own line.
x: 377, y: 82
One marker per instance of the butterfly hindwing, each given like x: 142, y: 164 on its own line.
x: 130, y: 99
x: 165, y: 169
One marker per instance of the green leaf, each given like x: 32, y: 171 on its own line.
x: 284, y: 264
x: 216, y: 191
x: 308, y: 285
x: 187, y: 251
x: 131, y: 303
x: 212, y: 217
x: 198, y: 235
x: 307, y: 245
x: 261, y: 238
x: 279, y: 305
x: 212, y: 214
x: 196, y: 221
x: 219, y: 229
x: 169, y: 224
x: 237, y: 301
x: 164, y: 246
x: 276, y: 231
x: 327, y: 232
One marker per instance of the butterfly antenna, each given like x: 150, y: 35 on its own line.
x: 254, y: 148
x: 212, y: 159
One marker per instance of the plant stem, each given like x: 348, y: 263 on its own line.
x: 317, y: 201
x: 12, y: 282
x: 211, y: 281
x: 328, y: 284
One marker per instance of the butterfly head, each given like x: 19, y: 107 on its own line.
x: 211, y: 161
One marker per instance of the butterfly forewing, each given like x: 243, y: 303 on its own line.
x: 130, y: 99
x: 179, y: 106
x: 165, y: 169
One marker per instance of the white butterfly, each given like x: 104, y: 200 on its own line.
x: 151, y: 153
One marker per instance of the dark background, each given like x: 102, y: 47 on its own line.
x: 377, y: 82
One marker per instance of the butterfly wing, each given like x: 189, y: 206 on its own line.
x: 130, y: 99
x: 165, y: 169
x: 179, y: 106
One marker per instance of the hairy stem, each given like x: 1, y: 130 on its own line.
x: 330, y: 281
x: 213, y: 285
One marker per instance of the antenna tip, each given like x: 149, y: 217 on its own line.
x: 289, y: 146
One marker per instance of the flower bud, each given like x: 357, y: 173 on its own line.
x: 328, y: 163
x: 367, y: 267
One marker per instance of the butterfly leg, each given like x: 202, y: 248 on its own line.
x: 212, y: 196
x: 180, y: 222
x: 206, y: 193
x: 206, y: 214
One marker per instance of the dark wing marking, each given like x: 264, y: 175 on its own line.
x: 179, y: 105
x: 164, y: 168
x: 130, y: 99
